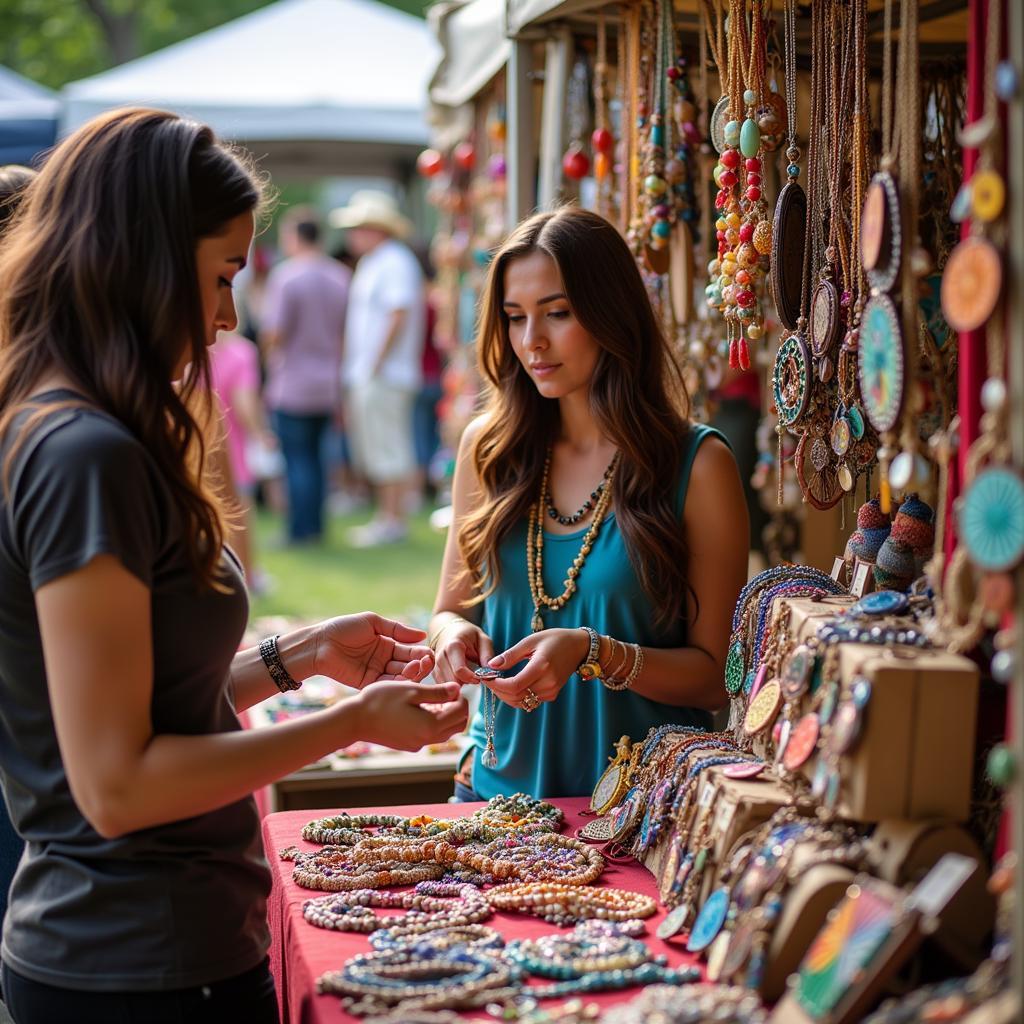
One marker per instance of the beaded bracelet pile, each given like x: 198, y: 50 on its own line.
x: 592, y: 959
x: 545, y: 857
x: 331, y: 870
x: 692, y: 1004
x: 352, y: 912
x: 437, y: 938
x: 569, y: 904
x: 520, y: 813
x: 408, y: 979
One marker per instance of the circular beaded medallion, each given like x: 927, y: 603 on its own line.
x: 881, y: 363
x: 881, y: 244
x: 744, y: 770
x: 789, y: 236
x: 597, y: 831
x: 796, y: 673
x: 802, y: 742
x: 824, y: 325
x: 971, y: 284
x: 734, y: 668
x: 709, y: 921
x: 791, y: 385
x: 881, y: 602
x: 674, y: 922
x: 717, y: 955
x: 840, y: 436
x: 719, y: 119
x: 739, y: 950
x: 609, y: 788
x: 763, y: 708
x: 991, y: 518
x: 845, y: 728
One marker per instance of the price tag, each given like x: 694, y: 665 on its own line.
x: 837, y: 568
x: 707, y: 794
x: 941, y: 884
x: 726, y: 812
x: 860, y: 578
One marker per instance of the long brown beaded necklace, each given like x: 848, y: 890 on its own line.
x: 535, y: 544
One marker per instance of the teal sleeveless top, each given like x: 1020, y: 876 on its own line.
x: 562, y: 748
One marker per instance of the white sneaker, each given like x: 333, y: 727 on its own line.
x: 377, y: 533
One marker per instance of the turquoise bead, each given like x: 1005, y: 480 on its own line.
x: 793, y: 170
x: 750, y: 138
x: 732, y: 133
x: 658, y: 134
x: 661, y: 229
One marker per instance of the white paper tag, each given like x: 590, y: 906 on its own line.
x: 941, y: 884
x: 837, y: 568
x: 860, y: 579
x: 707, y: 794
x: 726, y: 812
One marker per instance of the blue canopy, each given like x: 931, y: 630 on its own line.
x: 28, y: 119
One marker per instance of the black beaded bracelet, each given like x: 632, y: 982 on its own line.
x: 272, y: 659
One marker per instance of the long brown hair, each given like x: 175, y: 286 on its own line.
x: 100, y: 282
x: 637, y: 397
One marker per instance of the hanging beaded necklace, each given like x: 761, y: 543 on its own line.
x: 535, y: 545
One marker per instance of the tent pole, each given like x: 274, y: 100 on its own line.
x: 1015, y: 291
x: 521, y: 153
x: 557, y: 60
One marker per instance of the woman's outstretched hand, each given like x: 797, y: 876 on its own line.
x: 367, y: 648
x: 408, y: 716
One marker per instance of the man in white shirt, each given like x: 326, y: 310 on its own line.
x: 383, y: 356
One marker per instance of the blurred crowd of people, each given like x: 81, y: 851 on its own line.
x: 330, y: 386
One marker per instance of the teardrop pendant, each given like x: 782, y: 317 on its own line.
x: 489, y: 758
x: 536, y: 623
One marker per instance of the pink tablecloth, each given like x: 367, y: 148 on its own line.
x: 300, y: 953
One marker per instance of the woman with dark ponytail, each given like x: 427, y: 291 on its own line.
x: 142, y: 892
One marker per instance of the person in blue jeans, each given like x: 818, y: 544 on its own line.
x: 600, y: 537
x: 303, y: 326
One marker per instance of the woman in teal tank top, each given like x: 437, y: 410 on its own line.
x: 599, y: 538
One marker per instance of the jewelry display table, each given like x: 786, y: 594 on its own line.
x: 300, y: 952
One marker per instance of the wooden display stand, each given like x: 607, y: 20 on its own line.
x: 915, y: 757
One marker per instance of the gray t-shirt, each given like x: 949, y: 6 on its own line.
x: 167, y: 907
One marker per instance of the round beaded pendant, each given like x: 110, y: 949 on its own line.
x: 763, y: 709
x: 709, y: 921
x: 791, y: 380
x: 734, y: 668
x: 881, y: 244
x: 991, y: 518
x: 824, y: 325
x: 881, y: 363
x: 971, y: 284
x: 719, y: 119
x: 789, y: 236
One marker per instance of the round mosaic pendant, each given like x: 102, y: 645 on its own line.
x: 881, y: 363
x: 735, y: 668
x: 709, y: 921
x: 674, y: 922
x: 845, y: 728
x: 796, y: 673
x: 991, y: 518
x: 881, y: 243
x: 763, y: 709
x: 716, y: 127
x: 971, y: 284
x: 840, y: 436
x: 789, y: 236
x: 802, y: 742
x: 791, y: 385
x: 824, y: 326
x: 717, y: 954
x: 881, y: 602
x: 744, y: 770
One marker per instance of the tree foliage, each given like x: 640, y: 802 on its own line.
x: 54, y: 42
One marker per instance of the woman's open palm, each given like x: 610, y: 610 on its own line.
x: 361, y: 649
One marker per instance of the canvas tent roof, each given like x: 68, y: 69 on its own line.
x: 28, y: 118
x: 300, y: 80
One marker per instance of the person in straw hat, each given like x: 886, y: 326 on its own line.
x: 382, y: 362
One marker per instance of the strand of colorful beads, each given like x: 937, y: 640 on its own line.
x: 459, y: 904
x: 568, y: 904
x: 331, y: 870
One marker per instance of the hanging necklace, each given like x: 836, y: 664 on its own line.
x: 603, y: 141
x: 535, y: 545
x: 584, y: 509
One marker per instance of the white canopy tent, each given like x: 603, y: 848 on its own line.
x: 28, y: 118
x: 313, y: 87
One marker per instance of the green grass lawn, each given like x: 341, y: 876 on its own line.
x: 312, y: 583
